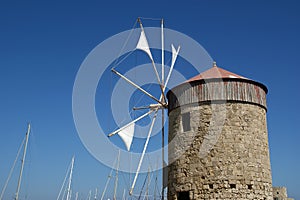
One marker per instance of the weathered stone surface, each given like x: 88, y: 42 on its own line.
x: 280, y: 193
x: 225, y: 155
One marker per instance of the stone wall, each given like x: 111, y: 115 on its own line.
x: 225, y: 155
x: 280, y: 193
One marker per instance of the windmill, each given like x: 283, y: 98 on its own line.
x: 126, y: 132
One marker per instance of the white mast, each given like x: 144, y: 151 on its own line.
x: 76, y: 196
x: 155, y: 183
x: 123, y: 195
x: 96, y: 192
x: 148, y: 183
x: 116, y: 181
x: 90, y: 194
x: 70, y: 180
x: 23, y: 161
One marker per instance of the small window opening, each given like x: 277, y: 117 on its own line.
x: 250, y: 187
x: 232, y: 186
x: 211, y: 186
x: 186, y: 122
x: 183, y: 195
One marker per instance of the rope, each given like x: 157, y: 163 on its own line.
x: 119, y: 62
x: 150, y: 18
x: 114, y: 64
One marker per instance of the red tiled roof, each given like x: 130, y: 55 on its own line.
x: 215, y: 72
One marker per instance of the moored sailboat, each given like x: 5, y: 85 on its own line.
x: 22, y: 166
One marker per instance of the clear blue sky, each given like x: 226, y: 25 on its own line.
x: 43, y: 43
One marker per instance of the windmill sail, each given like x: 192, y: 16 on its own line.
x: 174, y: 55
x: 143, y: 44
x: 127, y: 132
x: 127, y: 135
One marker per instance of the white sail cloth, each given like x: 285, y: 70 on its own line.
x: 174, y: 55
x: 127, y: 135
x: 143, y: 44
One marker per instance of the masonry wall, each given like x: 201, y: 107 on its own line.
x: 280, y: 193
x: 227, y: 156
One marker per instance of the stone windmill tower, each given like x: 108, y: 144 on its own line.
x: 218, y: 138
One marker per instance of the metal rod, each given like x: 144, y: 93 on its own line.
x: 143, y: 153
x: 151, y: 106
x: 141, y: 108
x: 159, y: 82
x: 23, y: 162
x: 138, y: 87
x: 137, y: 119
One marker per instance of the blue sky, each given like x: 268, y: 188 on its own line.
x: 43, y: 43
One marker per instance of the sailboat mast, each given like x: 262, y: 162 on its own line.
x: 155, y: 184
x: 76, y: 196
x: 23, y: 162
x: 162, y: 110
x: 116, y: 181
x: 70, y: 180
x: 96, y: 192
x: 123, y: 195
x: 90, y: 194
x: 148, y: 183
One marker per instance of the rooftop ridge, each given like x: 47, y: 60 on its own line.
x: 215, y: 72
